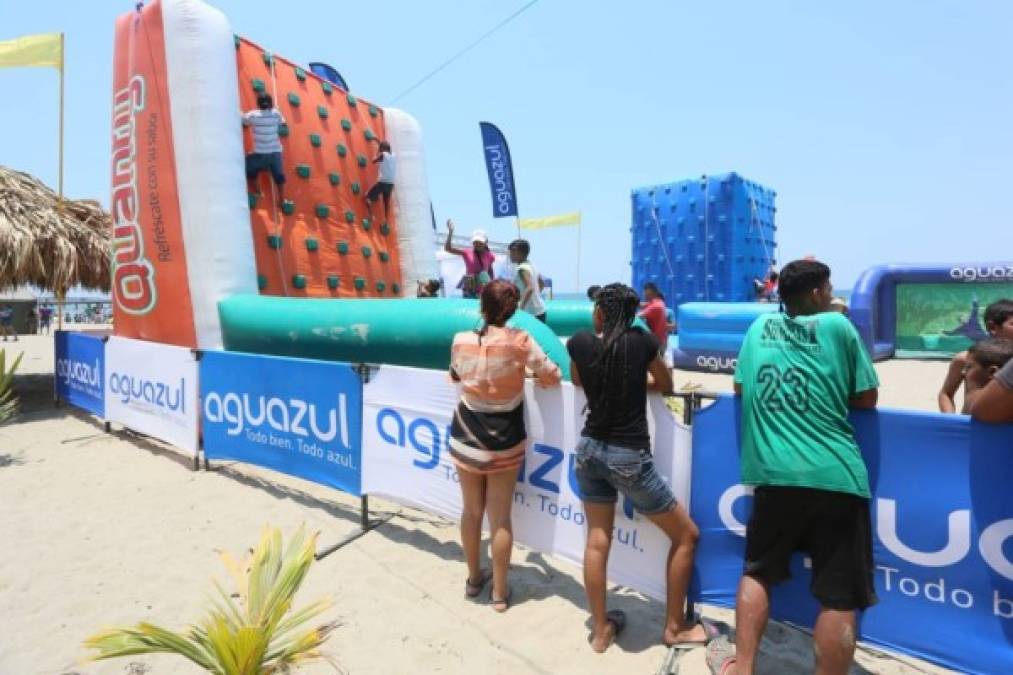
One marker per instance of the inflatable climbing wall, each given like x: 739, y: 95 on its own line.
x: 188, y: 233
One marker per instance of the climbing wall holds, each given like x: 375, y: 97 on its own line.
x: 323, y: 210
x: 283, y: 130
x: 373, y: 112
x: 300, y: 74
x: 258, y: 85
x: 361, y: 161
x: 385, y: 229
x: 274, y: 241
x: 342, y: 150
x: 332, y: 281
x: 356, y: 189
x: 360, y: 283
x: 380, y: 286
x: 288, y: 207
x: 326, y: 87
x: 349, y: 216
x: 311, y: 244
x: 261, y: 281
x: 315, y: 140
x: 343, y: 247
x: 351, y: 101
x: 334, y: 178
x: 346, y: 124
x: 253, y: 199
x: 366, y: 224
x: 299, y: 281
x: 322, y: 112
x: 366, y: 251
x: 293, y: 99
x: 395, y: 289
x: 368, y: 133
x: 302, y: 170
x: 268, y: 59
x: 383, y: 256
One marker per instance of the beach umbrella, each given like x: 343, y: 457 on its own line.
x: 50, y: 243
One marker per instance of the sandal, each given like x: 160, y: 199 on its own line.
x: 720, y: 655
x: 474, y: 589
x: 503, y: 604
x: 711, y: 633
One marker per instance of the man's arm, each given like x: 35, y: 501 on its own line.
x: 954, y: 376
x: 994, y: 403
x: 660, y: 376
x: 866, y: 400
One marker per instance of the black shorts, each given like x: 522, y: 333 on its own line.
x: 833, y: 528
x: 270, y: 161
x: 379, y: 189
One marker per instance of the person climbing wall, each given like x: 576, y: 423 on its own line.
x: 385, y: 178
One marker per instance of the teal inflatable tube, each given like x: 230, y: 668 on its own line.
x: 566, y: 317
x: 404, y: 332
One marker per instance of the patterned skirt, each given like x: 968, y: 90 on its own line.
x: 487, y: 442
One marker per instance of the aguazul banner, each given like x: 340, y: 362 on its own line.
x: 296, y: 416
x: 406, y: 422
x: 500, y: 170
x: 152, y: 388
x: 942, y: 515
x: 80, y: 365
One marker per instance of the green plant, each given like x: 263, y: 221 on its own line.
x: 250, y: 635
x: 8, y: 402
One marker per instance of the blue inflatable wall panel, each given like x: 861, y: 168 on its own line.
x: 711, y: 333
x: 703, y: 240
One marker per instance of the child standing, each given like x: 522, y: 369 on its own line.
x: 984, y: 359
x: 527, y: 280
x: 998, y: 323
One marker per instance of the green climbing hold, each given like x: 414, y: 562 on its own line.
x: 368, y: 133
x: 385, y: 229
x: 315, y: 140
x: 342, y: 247
x: 342, y: 150
x: 395, y: 289
x: 299, y: 280
x: 261, y: 281
x: 332, y: 281
x: 361, y: 160
x: 326, y: 86
x: 373, y: 112
x: 322, y: 112
x: 258, y: 85
x: 302, y: 170
x: 300, y: 74
x: 288, y: 207
x: 334, y: 178
x: 366, y: 224
x: 383, y: 256
x: 283, y: 130
x: 360, y: 283
x: 311, y: 244
x: 274, y: 241
x: 253, y: 199
x: 349, y: 216
x: 323, y: 210
x: 346, y: 124
x: 268, y: 58
x: 356, y: 189
x: 351, y: 100
x: 380, y: 286
x: 366, y: 251
x: 235, y: 40
x: 293, y: 98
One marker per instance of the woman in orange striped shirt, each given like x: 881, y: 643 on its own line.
x: 487, y: 435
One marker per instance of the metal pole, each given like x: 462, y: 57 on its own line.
x: 364, y: 512
x: 60, y: 292
x: 578, y: 255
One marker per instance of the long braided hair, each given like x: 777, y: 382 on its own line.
x: 498, y: 304
x: 618, y: 304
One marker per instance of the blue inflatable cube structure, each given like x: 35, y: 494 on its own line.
x: 703, y: 240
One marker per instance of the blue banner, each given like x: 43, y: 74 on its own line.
x: 501, y: 172
x: 328, y: 73
x: 296, y: 416
x: 942, y: 514
x: 80, y: 371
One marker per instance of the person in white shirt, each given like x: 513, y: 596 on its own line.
x: 264, y: 123
x: 385, y: 178
x: 527, y: 280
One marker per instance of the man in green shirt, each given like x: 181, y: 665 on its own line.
x: 798, y: 373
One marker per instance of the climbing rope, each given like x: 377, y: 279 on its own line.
x: 274, y: 197
x: 661, y: 238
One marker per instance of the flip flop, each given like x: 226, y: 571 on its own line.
x: 720, y: 655
x: 504, y: 602
x: 711, y: 633
x: 473, y: 590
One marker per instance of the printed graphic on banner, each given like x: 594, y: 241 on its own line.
x: 501, y: 171
x: 152, y: 388
x: 80, y: 366
x: 407, y: 413
x: 151, y: 296
x: 297, y: 416
x: 943, y: 533
x: 942, y: 319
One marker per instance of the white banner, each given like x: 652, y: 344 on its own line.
x: 405, y: 432
x: 152, y: 389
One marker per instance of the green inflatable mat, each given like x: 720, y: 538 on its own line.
x: 405, y: 332
x: 566, y: 317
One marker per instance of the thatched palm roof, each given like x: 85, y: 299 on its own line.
x: 51, y: 246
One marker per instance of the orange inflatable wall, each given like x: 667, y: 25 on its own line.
x: 322, y: 241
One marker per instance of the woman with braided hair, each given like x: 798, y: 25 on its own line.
x: 487, y: 435
x: 616, y: 366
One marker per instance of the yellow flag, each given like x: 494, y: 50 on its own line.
x: 550, y: 221
x: 44, y: 50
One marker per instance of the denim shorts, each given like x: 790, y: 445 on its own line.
x: 269, y: 161
x: 605, y: 470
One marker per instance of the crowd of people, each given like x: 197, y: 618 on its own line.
x: 799, y: 373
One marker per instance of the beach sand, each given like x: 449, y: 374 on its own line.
x: 104, y: 528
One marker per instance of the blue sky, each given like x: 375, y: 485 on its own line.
x: 885, y: 127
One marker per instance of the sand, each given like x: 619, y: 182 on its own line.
x: 105, y: 528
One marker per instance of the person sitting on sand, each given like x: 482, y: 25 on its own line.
x: 994, y: 403
x: 998, y: 323
x: 798, y: 373
x: 385, y: 178
x: 487, y: 435
x: 614, y: 455
x: 985, y: 358
x: 477, y: 261
x: 265, y: 122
